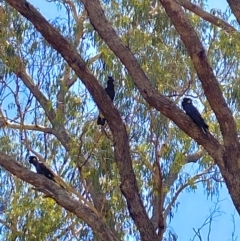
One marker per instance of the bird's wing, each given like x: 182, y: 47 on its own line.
x: 46, y: 171
x: 110, y: 92
x: 191, y: 110
x: 196, y: 116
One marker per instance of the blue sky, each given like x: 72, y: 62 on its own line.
x: 221, y: 4
x: 194, y: 207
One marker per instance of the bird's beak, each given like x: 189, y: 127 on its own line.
x: 189, y: 101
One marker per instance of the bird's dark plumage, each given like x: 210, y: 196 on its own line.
x: 41, y: 168
x: 111, y: 93
x: 193, y: 113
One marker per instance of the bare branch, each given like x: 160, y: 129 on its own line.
x: 193, y: 179
x: 58, y: 130
x: 29, y: 127
x: 198, y: 234
x: 67, y: 82
x: 208, y: 221
x: 10, y: 227
x: 173, y: 173
x: 195, y: 156
x: 207, y: 16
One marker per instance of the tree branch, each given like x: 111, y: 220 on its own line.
x: 207, y: 16
x: 195, y: 156
x: 59, y: 195
x: 193, y: 179
x: 230, y: 156
x: 29, y: 127
x: 151, y: 95
x: 121, y: 143
x: 19, y: 69
x: 173, y: 172
x: 205, y: 73
x: 235, y: 7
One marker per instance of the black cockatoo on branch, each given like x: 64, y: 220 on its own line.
x: 43, y: 169
x: 111, y: 93
x: 193, y: 113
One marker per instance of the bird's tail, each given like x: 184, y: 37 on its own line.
x: 101, y: 120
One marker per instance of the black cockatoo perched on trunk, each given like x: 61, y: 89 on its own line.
x: 111, y: 93
x: 193, y: 113
x: 43, y: 169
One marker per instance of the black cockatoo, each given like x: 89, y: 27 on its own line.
x: 111, y: 93
x: 193, y: 113
x: 42, y: 168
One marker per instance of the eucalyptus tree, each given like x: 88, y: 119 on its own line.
x: 123, y: 179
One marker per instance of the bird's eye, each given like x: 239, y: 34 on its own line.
x: 189, y: 101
